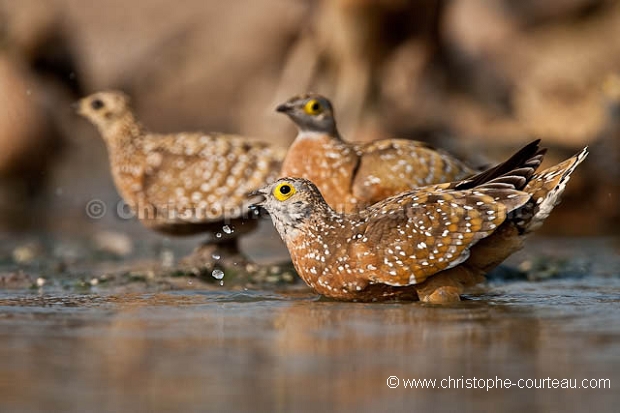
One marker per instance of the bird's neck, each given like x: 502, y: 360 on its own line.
x: 124, y: 140
x: 319, y: 136
x: 307, y: 145
x: 123, y: 134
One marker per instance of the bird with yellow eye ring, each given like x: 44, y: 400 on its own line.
x: 427, y: 244
x: 354, y: 175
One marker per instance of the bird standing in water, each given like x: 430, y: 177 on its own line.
x: 427, y: 244
x: 183, y: 183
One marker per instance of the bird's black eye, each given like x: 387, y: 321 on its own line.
x: 283, y: 191
x: 316, y: 107
x: 96, y: 104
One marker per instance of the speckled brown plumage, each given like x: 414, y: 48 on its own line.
x: 354, y: 175
x: 183, y: 183
x: 428, y: 243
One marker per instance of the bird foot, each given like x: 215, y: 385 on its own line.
x: 441, y: 295
x: 207, y: 258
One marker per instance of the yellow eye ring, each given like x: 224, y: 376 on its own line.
x: 313, y: 107
x: 284, y: 191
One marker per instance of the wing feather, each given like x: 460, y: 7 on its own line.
x: 422, y: 233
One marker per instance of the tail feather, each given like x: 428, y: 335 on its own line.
x: 546, y: 189
x: 522, y: 164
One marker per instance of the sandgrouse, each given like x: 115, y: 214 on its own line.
x: 183, y: 183
x: 428, y: 243
x: 354, y: 175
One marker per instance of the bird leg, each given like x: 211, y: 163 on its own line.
x: 215, y: 253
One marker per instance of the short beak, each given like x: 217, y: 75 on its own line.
x: 284, y: 108
x: 257, y: 198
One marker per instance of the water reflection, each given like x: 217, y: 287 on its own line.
x: 190, y: 351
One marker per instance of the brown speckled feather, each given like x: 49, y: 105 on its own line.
x: 389, y: 167
x: 430, y: 232
x: 208, y: 176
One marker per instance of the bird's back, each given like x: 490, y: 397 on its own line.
x: 193, y: 178
x: 390, y: 167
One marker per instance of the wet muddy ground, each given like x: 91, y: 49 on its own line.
x: 136, y: 340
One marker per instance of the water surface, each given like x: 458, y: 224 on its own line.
x: 213, y: 348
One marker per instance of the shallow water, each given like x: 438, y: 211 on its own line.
x: 285, y: 349
x: 142, y: 342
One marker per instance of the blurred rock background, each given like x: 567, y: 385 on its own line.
x: 478, y: 77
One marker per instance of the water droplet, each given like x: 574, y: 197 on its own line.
x: 222, y: 283
x: 218, y: 235
x: 216, y: 256
x: 217, y: 274
x: 227, y: 229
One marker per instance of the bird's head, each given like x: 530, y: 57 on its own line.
x: 290, y: 202
x: 104, y: 108
x: 311, y: 113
